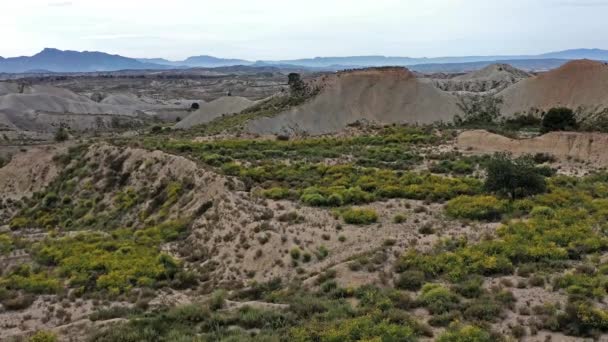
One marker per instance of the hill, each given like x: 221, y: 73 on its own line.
x: 492, y: 78
x: 383, y: 95
x: 72, y: 61
x: 581, y: 83
x: 44, y: 108
x: 214, y: 109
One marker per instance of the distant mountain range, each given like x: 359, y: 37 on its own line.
x: 54, y: 60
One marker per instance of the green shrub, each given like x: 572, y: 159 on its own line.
x: 276, y: 193
x: 514, y: 177
x: 315, y: 199
x: 438, y: 299
x: 410, y: 280
x: 558, y: 119
x: 359, y: 216
x: 467, y: 333
x: 471, y: 287
x: 399, y: 218
x: 295, y: 253
x: 43, y: 336
x: 476, y: 207
x: 542, y: 212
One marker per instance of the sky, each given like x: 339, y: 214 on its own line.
x: 288, y: 29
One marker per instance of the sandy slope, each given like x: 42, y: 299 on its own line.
x: 44, y: 108
x: 214, y: 109
x: 581, y: 83
x: 383, y: 95
x: 589, y: 147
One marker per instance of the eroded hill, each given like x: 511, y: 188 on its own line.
x: 382, y: 95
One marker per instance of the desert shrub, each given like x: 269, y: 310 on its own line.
x: 399, y: 218
x: 218, y: 300
x: 467, y: 333
x: 559, y: 119
x: 276, y: 193
x: 483, y: 309
x: 471, y: 287
x: 476, y: 207
x: 459, y: 166
x: 410, y: 280
x: 365, y: 328
x: 582, y: 284
x: 359, y: 216
x: 542, y: 212
x: 43, y: 336
x: 6, y: 244
x: 116, y: 262
x: 579, y: 318
x: 438, y: 299
x: 444, y: 319
x: 113, y: 312
x: 514, y: 177
x: 295, y: 253
x: 61, y: 134
x: 520, y: 121
x: 314, y: 199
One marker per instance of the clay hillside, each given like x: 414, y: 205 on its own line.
x: 581, y: 83
x: 493, y: 78
x: 214, y: 109
x: 386, y: 95
x: 44, y: 108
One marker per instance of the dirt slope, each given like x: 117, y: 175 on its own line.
x: 382, y: 95
x: 581, y: 83
x: 494, y: 78
x: 589, y: 147
x: 44, y: 108
x: 214, y: 109
x: 29, y: 172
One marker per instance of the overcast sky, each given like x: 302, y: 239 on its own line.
x: 283, y: 29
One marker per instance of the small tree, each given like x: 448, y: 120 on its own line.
x: 61, y: 134
x: 559, y: 119
x: 296, y: 85
x: 514, y: 177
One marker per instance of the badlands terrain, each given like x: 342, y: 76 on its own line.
x: 259, y: 204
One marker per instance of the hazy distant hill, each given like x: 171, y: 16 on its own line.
x: 72, y: 61
x: 595, y: 54
x: 524, y: 64
x: 367, y: 61
x: 198, y: 62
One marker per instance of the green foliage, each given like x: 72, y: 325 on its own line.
x: 7, y: 244
x: 438, y: 299
x: 365, y: 328
x: 516, y: 178
x: 61, y: 134
x: 467, y: 333
x: 31, y: 281
x: 410, y: 280
x: 479, y: 110
x: 476, y: 207
x: 43, y: 336
x: 113, y: 262
x: 359, y: 216
x: 559, y: 119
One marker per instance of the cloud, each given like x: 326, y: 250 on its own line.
x: 61, y: 4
